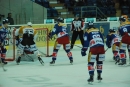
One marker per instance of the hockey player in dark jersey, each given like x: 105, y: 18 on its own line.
x: 3, y: 34
x: 113, y: 40
x: 124, y: 31
x: 62, y: 39
x: 94, y: 39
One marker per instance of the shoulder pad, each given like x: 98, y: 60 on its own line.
x: 128, y: 22
x: 61, y: 24
x: 92, y: 29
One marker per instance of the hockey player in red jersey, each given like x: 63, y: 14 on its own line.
x: 94, y: 39
x: 124, y: 31
x: 3, y: 34
x: 113, y: 40
x: 62, y: 39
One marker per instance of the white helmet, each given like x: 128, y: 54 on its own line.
x: 29, y: 23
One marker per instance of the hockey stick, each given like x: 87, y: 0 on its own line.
x: 77, y: 46
x: 1, y: 62
x: 2, y: 65
x: 45, y: 54
x: 106, y: 49
x: 28, y: 56
x: 40, y: 60
x: 81, y: 47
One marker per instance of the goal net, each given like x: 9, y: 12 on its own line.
x: 41, y: 41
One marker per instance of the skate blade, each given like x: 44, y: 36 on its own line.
x: 52, y: 64
x: 71, y: 63
x: 90, y: 83
x: 123, y: 65
x: 42, y: 62
x: 99, y: 81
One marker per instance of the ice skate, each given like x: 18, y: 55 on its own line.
x: 3, y: 61
x: 52, y: 62
x: 40, y: 60
x: 71, y: 62
x: 18, y: 60
x: 122, y: 62
x: 99, y: 78
x: 117, y: 61
x: 90, y: 80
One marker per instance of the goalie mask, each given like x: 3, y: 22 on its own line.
x: 123, y: 18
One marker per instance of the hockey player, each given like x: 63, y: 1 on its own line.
x: 94, y: 39
x: 124, y: 31
x: 62, y: 39
x: 3, y: 34
x: 25, y: 39
x: 113, y: 40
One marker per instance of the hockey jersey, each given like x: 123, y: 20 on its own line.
x: 3, y: 34
x: 77, y: 24
x: 25, y: 29
x: 112, y: 38
x: 124, y: 28
x: 93, y: 38
x: 60, y: 30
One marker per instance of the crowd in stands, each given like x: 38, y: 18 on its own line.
x: 125, y: 6
x: 107, y: 7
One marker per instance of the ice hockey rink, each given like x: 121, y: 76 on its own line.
x: 63, y: 74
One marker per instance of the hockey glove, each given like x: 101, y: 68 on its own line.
x: 17, y: 42
x: 109, y: 46
x: 83, y: 51
x: 50, y: 36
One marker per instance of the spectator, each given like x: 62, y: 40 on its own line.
x: 11, y: 20
x: 124, y: 3
x: 80, y: 3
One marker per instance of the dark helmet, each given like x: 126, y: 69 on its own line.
x: 112, y: 30
x: 123, y: 18
x: 90, y: 24
x: 59, y: 19
x: 5, y: 21
x: 77, y: 15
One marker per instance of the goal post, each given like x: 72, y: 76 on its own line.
x: 42, y: 42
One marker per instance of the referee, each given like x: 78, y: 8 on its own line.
x: 77, y: 28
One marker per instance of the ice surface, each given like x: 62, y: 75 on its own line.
x: 62, y: 74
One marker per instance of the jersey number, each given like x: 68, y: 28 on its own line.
x: 96, y: 36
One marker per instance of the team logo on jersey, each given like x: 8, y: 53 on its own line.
x: 85, y: 38
x: 3, y: 35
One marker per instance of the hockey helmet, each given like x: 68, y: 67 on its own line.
x: 77, y: 15
x: 29, y: 23
x: 59, y: 19
x: 5, y: 21
x: 112, y: 30
x: 123, y: 18
x: 90, y: 24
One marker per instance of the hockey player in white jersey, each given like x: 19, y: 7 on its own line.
x: 3, y: 34
x: 25, y: 39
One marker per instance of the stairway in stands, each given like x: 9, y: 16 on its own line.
x: 63, y: 12
x: 118, y: 10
